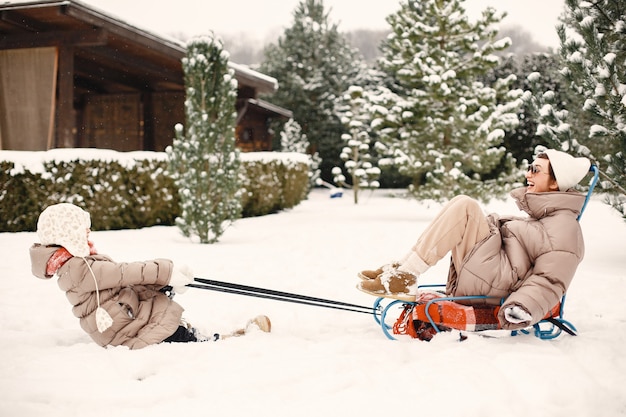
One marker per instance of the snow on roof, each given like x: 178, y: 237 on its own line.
x: 247, y: 71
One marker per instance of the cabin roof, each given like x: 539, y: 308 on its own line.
x: 110, y: 55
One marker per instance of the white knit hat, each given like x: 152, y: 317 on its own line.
x: 567, y: 169
x: 65, y: 224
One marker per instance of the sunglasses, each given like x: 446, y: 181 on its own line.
x: 534, y: 169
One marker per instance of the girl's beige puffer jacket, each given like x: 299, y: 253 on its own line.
x: 129, y: 292
x: 529, y: 262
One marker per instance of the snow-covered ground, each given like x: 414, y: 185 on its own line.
x: 316, y: 361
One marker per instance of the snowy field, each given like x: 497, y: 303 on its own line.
x: 317, y: 361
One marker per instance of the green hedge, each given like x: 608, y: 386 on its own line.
x: 140, y: 194
x: 272, y: 185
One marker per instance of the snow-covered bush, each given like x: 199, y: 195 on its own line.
x: 22, y: 197
x: 117, y: 196
x: 129, y: 190
x: 273, y: 181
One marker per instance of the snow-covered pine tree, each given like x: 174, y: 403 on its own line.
x: 203, y: 160
x: 446, y: 128
x: 593, y: 47
x: 293, y: 140
x: 353, y: 109
x: 545, y: 70
x: 315, y: 64
x: 549, y: 113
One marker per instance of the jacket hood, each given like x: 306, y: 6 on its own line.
x: 39, y: 256
x: 539, y: 205
x: 66, y: 225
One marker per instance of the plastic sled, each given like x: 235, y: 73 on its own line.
x: 469, y: 313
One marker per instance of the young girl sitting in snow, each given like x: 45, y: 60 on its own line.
x: 117, y: 303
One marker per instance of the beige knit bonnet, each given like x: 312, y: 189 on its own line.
x: 66, y: 225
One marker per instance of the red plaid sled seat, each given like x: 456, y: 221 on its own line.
x: 434, y: 312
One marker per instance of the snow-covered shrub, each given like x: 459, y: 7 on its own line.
x: 116, y: 196
x: 22, y: 195
x: 273, y: 181
x: 129, y: 190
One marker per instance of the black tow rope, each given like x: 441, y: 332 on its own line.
x: 561, y: 326
x: 232, y: 288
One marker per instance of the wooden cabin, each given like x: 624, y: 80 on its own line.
x: 72, y: 76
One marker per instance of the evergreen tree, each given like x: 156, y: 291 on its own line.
x: 537, y: 72
x: 356, y: 154
x: 204, y: 161
x: 593, y: 47
x: 315, y: 65
x: 549, y: 112
x: 445, y: 127
x: 293, y: 140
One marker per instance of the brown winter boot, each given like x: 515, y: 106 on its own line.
x: 392, y: 284
x: 374, y: 273
x: 263, y: 323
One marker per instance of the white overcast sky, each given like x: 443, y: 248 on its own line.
x: 266, y: 19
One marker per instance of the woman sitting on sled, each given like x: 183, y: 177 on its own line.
x: 529, y: 262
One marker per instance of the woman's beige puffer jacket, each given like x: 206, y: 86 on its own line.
x: 129, y: 292
x: 528, y: 262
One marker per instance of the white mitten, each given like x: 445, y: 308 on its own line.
x: 181, y: 276
x: 516, y: 315
x: 103, y: 319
